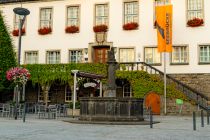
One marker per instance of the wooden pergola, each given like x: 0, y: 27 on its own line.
x: 78, y: 73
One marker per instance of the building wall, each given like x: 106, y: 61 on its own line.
x: 144, y: 36
x: 200, y: 82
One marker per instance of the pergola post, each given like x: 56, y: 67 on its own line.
x: 101, y: 88
x: 74, y: 94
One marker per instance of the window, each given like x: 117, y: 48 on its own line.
x: 131, y: 12
x: 126, y: 54
x: 46, y: 17
x: 53, y: 57
x: 127, y: 92
x: 156, y: 3
x: 101, y: 14
x: 41, y: 95
x: 151, y: 55
x: 31, y: 57
x: 73, y: 16
x: 204, y: 51
x: 68, y: 94
x: 75, y: 56
x: 194, y: 9
x: 179, y: 54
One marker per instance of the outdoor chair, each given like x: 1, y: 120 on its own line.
x: 30, y: 107
x: 41, y: 111
x: 63, y: 110
x: 52, y: 112
x: 6, y: 110
x: 1, y: 108
x: 20, y: 110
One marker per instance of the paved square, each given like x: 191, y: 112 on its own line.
x: 169, y: 128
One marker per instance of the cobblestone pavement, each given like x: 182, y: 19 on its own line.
x: 169, y: 128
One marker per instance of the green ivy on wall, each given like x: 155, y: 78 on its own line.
x: 143, y: 83
x: 48, y: 73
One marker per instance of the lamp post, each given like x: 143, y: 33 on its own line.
x: 22, y: 12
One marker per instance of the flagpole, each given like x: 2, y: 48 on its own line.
x: 165, y: 110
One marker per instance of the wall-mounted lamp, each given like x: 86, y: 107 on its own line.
x: 139, y: 56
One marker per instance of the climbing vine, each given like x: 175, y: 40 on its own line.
x: 143, y: 82
x: 49, y: 73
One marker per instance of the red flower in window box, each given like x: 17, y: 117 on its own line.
x: 72, y: 29
x: 195, y: 22
x: 130, y: 26
x: 45, y: 30
x: 100, y: 28
x: 15, y: 32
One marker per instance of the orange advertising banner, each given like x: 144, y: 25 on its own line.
x: 164, y: 27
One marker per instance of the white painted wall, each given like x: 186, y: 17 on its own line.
x: 145, y: 36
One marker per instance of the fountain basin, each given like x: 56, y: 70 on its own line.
x: 111, y: 109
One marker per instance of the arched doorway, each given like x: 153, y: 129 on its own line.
x: 153, y: 100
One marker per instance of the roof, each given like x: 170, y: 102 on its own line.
x: 14, y: 1
x: 89, y: 75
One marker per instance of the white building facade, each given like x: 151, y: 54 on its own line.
x: 191, y: 45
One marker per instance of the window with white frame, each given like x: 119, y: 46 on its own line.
x: 126, y: 54
x: 204, y: 53
x: 46, y: 17
x: 41, y: 95
x: 75, y: 56
x: 151, y: 55
x: 158, y: 3
x: 68, y: 94
x: 194, y: 9
x: 31, y: 57
x: 73, y: 16
x: 130, y: 12
x: 53, y: 57
x: 179, y: 54
x: 101, y: 14
x: 127, y: 91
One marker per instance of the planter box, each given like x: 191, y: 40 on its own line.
x: 70, y: 111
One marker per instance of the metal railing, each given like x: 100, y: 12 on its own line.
x: 194, y: 95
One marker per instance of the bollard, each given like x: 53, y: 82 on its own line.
x: 202, y: 119
x: 151, y: 118
x: 207, y: 117
x: 194, y: 121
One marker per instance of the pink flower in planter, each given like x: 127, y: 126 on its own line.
x: 18, y: 75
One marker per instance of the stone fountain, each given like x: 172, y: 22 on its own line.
x: 110, y: 107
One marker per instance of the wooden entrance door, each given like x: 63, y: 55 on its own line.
x: 153, y: 100
x: 100, y: 54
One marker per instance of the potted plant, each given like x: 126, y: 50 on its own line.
x: 15, y: 32
x: 72, y: 29
x: 18, y: 75
x: 131, y: 26
x: 76, y: 111
x: 44, y: 30
x: 100, y: 28
x: 195, y: 22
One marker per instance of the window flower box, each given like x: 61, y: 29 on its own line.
x: 100, y: 28
x: 72, y: 29
x: 195, y: 22
x: 15, y: 32
x: 44, y: 30
x: 130, y: 26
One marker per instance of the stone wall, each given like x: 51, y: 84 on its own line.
x: 200, y: 82
x: 175, y: 109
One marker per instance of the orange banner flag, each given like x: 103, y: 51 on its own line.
x: 164, y: 27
